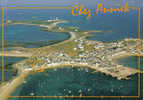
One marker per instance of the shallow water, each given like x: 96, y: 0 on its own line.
x: 131, y: 61
x: 9, y: 72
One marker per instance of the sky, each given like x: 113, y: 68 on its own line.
x: 90, y: 3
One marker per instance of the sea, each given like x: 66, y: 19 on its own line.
x: 9, y: 71
x: 72, y: 81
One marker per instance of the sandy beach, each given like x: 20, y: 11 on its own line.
x: 9, y: 87
x: 122, y: 55
x: 16, y: 54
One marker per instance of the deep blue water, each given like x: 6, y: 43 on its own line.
x: 31, y: 36
x: 114, y: 26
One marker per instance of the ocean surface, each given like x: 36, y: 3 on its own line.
x: 113, y: 26
x: 75, y: 81
x: 131, y: 61
x: 29, y: 36
x: 68, y: 81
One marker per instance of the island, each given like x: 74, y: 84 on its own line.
x: 77, y: 51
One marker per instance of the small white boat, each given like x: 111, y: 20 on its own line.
x: 24, y: 82
x: 31, y: 94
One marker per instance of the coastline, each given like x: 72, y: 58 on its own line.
x: 29, y: 51
x: 16, y: 54
x: 19, y: 53
x: 119, y: 72
x: 10, y: 87
x: 123, y: 54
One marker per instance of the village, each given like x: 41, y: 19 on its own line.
x: 79, y: 51
x: 101, y: 57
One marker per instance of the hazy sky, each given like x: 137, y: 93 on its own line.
x: 91, y: 3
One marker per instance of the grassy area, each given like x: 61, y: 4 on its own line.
x: 88, y: 47
x: 66, y: 47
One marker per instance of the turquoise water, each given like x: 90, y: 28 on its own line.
x: 9, y: 72
x: 74, y: 81
x: 131, y: 61
x: 54, y: 82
